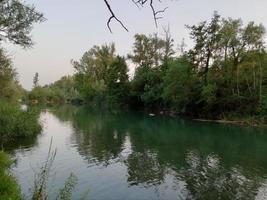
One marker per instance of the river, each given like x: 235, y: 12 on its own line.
x: 131, y: 155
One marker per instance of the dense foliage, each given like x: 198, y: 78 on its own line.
x: 8, y: 186
x: 10, y: 89
x: 16, y: 21
x: 15, y: 122
x: 61, y: 91
x: 101, y: 76
x: 223, y: 75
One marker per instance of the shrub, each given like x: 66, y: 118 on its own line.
x: 15, y: 122
x: 8, y: 186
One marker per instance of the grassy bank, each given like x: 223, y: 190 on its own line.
x: 16, y: 123
x: 9, y: 189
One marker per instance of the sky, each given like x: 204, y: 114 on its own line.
x: 74, y: 26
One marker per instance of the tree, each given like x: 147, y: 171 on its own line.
x: 117, y: 81
x: 151, y: 51
x: 101, y: 76
x: 95, y: 61
x: 64, y: 90
x: 7, y: 73
x: 16, y: 21
x: 36, y: 80
x: 168, y: 52
x: 10, y: 89
x: 224, y: 74
x: 150, y: 55
x: 180, y: 85
x: 147, y: 86
x: 206, y: 36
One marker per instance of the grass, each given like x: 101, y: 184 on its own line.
x: 9, y: 189
x: 14, y: 123
x: 40, y: 191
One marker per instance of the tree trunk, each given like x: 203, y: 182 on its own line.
x: 237, y: 81
x: 260, y: 84
x: 206, y: 70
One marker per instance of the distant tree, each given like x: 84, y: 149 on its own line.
x: 36, y: 80
x: 16, y: 21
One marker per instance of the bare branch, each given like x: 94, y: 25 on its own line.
x: 139, y: 4
x: 154, y: 11
x: 113, y: 16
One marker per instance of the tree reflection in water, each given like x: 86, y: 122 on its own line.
x: 205, y: 161
x: 144, y: 168
x: 206, y: 178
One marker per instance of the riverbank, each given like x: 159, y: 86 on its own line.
x: 9, y: 188
x: 253, y: 123
x: 15, y: 123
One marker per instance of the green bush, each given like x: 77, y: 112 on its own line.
x: 15, y: 122
x: 9, y: 189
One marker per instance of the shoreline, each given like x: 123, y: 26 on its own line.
x: 253, y: 123
x: 238, y: 122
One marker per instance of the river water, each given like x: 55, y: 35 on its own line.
x: 131, y: 155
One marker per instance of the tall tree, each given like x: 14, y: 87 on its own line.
x: 101, y: 75
x: 168, y: 51
x: 206, y: 36
x: 150, y: 51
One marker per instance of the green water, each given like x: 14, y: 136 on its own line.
x: 130, y: 155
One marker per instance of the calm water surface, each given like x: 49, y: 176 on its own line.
x: 130, y: 155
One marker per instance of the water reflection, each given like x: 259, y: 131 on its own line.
x: 166, y: 158
x: 207, y: 178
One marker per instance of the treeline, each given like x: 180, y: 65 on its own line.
x: 61, y: 91
x: 223, y: 75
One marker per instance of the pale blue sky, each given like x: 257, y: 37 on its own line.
x: 74, y: 26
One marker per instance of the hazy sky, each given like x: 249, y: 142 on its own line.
x: 74, y: 26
